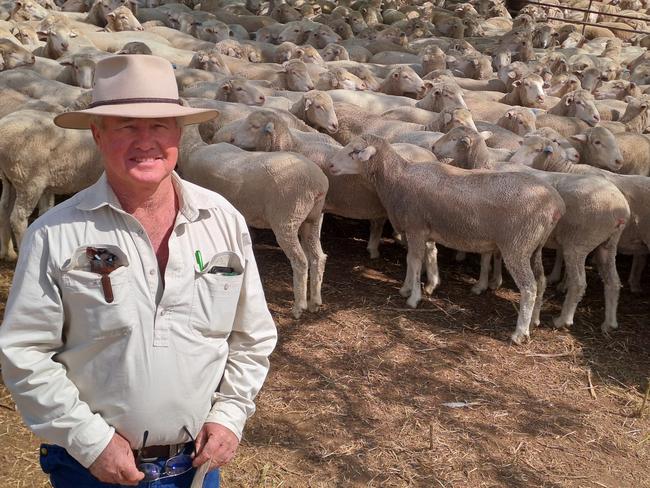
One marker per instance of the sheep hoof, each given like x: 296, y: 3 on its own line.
x: 412, y: 302
x: 314, y: 307
x: 561, y: 324
x: 430, y: 287
x: 405, y: 292
x: 495, y: 284
x: 520, y: 337
x: 374, y: 254
x: 606, y: 327
x: 478, y: 288
x: 636, y: 289
x: 297, y: 312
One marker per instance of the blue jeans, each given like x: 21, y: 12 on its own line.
x: 66, y: 472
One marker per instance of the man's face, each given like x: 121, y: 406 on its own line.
x: 137, y: 153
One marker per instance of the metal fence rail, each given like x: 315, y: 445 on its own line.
x: 588, y: 11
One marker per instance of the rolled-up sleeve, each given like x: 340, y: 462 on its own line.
x: 30, y: 337
x: 251, y: 341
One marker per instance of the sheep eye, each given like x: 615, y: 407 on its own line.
x: 597, y: 143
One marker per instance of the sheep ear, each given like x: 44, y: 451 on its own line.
x: 632, y: 85
x: 111, y: 15
x: 308, y: 103
x: 512, y: 74
x: 450, y: 59
x: 226, y: 87
x: 569, y: 100
x: 628, y: 99
x: 485, y: 135
x: 366, y: 154
x: 446, y: 117
x: 509, y: 115
x: 579, y: 137
x: 269, y: 128
x: 395, y: 75
x: 516, y: 83
x: 73, y: 34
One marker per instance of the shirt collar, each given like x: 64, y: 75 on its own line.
x: 101, y: 194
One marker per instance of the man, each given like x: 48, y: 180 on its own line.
x: 136, y: 320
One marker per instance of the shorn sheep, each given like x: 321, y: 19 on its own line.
x: 470, y: 211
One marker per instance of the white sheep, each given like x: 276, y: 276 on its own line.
x: 449, y: 207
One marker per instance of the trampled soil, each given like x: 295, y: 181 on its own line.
x: 370, y: 393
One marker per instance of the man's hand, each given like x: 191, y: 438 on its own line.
x: 116, y: 463
x: 215, y: 444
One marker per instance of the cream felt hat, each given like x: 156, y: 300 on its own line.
x: 137, y: 86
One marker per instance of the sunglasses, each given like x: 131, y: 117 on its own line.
x: 175, y: 465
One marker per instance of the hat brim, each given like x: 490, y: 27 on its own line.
x: 185, y: 115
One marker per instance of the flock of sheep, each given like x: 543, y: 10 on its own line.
x: 460, y: 124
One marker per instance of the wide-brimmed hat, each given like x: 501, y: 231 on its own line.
x: 137, y: 86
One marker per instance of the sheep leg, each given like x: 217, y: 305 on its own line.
x: 376, y: 229
x: 22, y: 209
x: 431, y: 266
x: 638, y: 265
x: 497, y: 272
x: 310, y: 240
x: 7, y: 200
x: 606, y: 256
x: 414, y: 257
x: 540, y: 281
x: 524, y: 278
x: 482, y: 283
x: 45, y: 203
x: 576, y: 279
x: 556, y: 274
x: 289, y: 243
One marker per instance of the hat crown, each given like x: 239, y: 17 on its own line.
x: 134, y: 76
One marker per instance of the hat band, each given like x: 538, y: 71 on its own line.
x: 121, y: 101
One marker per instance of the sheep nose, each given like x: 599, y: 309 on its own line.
x: 597, y: 118
x: 540, y: 98
x: 262, y: 99
x: 618, y: 163
x: 232, y: 140
x: 310, y: 87
x: 334, y: 127
x: 64, y: 46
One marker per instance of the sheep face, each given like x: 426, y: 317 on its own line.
x: 122, y: 19
x: 212, y: 31
x: 617, y: 90
x: 532, y: 147
x: 531, y: 90
x: 459, y: 143
x: 636, y: 114
x: 564, y: 147
x: 13, y: 55
x: 458, y: 117
x: 580, y: 104
x: 319, y: 111
x: 298, y: 78
x: 405, y: 80
x: 350, y: 159
x: 601, y: 149
x: 443, y: 96
x: 240, y: 91
x: 254, y: 131
x: 521, y: 121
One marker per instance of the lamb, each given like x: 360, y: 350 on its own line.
x: 402, y: 81
x: 519, y: 120
x: 348, y: 196
x: 635, y: 239
x: 37, y: 157
x: 281, y: 191
x: 434, y: 212
x: 579, y: 104
x: 442, y: 122
x: 317, y: 109
x: 354, y: 121
x: 35, y: 86
x: 526, y: 92
x: 228, y: 90
x: 627, y: 154
x: 13, y: 56
x: 596, y: 215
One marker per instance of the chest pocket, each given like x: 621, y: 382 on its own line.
x: 216, y: 295
x: 85, y: 300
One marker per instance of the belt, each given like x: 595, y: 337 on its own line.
x: 152, y: 452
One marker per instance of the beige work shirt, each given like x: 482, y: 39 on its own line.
x: 160, y: 356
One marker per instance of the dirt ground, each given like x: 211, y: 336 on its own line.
x: 370, y: 393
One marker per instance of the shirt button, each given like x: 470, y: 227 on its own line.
x: 152, y: 272
x: 225, y: 287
